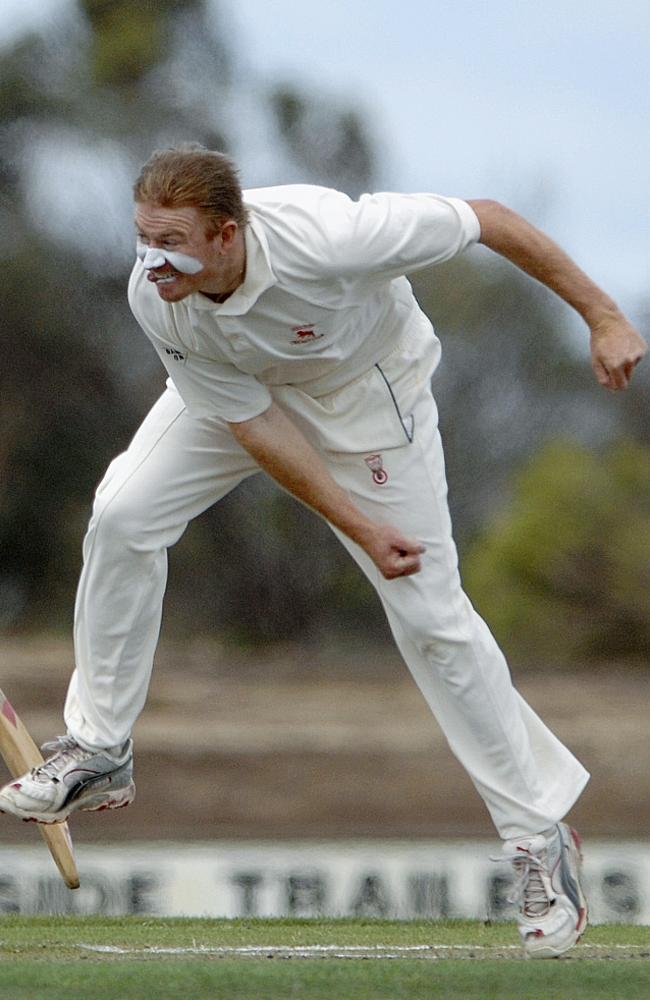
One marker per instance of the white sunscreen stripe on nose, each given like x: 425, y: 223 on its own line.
x: 153, y: 257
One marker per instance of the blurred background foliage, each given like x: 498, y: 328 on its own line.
x: 563, y: 572
x: 549, y: 477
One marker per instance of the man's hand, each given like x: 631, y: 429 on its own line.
x: 392, y: 552
x: 616, y: 349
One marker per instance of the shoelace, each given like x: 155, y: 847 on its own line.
x: 531, y: 891
x: 64, y: 749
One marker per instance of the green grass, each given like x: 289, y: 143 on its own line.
x: 43, y: 959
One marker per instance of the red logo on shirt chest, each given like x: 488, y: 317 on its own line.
x: 305, y: 334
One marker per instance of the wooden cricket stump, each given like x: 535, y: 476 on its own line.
x: 21, y: 754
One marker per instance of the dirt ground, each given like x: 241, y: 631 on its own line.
x: 309, y: 743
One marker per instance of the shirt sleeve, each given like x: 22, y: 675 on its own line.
x: 214, y: 390
x: 209, y: 389
x: 393, y: 234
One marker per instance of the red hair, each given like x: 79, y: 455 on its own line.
x: 190, y: 174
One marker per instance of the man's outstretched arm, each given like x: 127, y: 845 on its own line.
x: 285, y: 454
x: 616, y: 346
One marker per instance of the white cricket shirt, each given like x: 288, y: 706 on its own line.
x: 324, y: 297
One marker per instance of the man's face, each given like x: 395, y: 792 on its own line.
x: 201, y: 261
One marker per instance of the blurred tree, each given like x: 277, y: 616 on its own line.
x: 56, y: 391
x: 563, y: 574
x: 127, y: 39
x: 332, y: 144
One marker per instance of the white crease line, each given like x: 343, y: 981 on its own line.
x: 291, y: 949
x: 381, y: 950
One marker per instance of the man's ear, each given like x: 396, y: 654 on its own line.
x: 228, y: 235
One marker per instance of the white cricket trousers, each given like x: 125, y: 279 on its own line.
x: 175, y: 468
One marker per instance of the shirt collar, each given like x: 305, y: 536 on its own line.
x: 259, y: 276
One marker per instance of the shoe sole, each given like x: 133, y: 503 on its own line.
x: 98, y: 803
x: 119, y: 801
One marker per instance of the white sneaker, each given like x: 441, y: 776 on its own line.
x: 552, y: 905
x: 72, y: 778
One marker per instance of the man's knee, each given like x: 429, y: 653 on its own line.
x: 121, y: 521
x: 440, y: 634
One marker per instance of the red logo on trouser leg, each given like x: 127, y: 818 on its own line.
x: 376, y: 465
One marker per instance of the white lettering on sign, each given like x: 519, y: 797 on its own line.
x: 433, y: 880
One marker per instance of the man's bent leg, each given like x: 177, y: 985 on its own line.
x: 174, y: 469
x: 526, y: 777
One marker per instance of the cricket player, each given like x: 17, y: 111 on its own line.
x: 294, y: 344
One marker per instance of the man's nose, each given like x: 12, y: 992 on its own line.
x: 153, y: 258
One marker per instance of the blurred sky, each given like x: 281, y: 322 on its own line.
x: 545, y: 106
